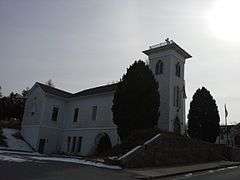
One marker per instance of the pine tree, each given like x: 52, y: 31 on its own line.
x: 136, y: 100
x: 203, y: 117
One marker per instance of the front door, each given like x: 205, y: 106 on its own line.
x: 41, y: 146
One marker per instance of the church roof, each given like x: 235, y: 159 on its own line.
x: 96, y: 90
x: 87, y: 92
x: 165, y: 46
x: 54, y: 91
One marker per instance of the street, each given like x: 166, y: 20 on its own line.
x: 32, y: 167
x: 57, y: 171
x: 232, y: 173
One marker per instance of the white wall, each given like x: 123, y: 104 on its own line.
x: 31, y: 122
x: 167, y: 81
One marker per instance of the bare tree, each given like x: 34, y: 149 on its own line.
x: 50, y: 83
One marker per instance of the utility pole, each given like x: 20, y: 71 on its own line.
x: 226, y: 114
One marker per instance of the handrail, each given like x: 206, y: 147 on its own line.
x: 162, y: 44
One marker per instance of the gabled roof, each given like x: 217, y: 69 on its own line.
x: 87, y: 92
x: 54, y: 91
x: 96, y: 90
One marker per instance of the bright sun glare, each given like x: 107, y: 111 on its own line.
x: 224, y: 19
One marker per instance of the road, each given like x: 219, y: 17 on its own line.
x: 220, y: 174
x: 57, y: 171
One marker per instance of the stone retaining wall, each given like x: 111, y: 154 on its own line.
x: 171, y: 150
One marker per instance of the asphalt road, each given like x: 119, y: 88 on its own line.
x: 220, y: 174
x: 57, y: 171
x: 50, y: 170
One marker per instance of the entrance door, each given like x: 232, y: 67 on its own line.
x: 41, y: 146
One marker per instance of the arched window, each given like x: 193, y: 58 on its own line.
x: 159, y: 67
x: 178, y: 70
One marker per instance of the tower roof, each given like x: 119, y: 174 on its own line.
x: 165, y: 46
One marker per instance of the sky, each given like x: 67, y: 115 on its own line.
x: 81, y: 44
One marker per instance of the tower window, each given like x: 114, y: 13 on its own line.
x: 176, y: 97
x: 159, y: 68
x: 178, y: 70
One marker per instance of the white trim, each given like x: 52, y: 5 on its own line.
x: 72, y: 129
x: 100, y: 128
x: 40, y: 126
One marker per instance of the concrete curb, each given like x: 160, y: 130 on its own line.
x: 187, y: 172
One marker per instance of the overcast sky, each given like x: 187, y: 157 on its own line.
x: 82, y: 44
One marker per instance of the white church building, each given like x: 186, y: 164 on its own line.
x: 57, y: 121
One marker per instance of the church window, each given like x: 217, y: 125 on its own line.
x: 76, y: 110
x: 55, y: 113
x: 94, y: 113
x: 178, y: 70
x: 159, y: 68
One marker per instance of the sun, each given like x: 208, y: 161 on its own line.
x: 224, y: 19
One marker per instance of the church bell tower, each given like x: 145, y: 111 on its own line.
x: 167, y: 60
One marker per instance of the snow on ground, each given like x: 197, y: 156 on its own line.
x: 26, y: 157
x: 79, y: 161
x: 13, y: 143
x: 20, y: 153
x: 11, y: 159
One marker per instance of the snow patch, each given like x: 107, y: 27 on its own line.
x: 232, y: 167
x: 11, y: 159
x: 19, y: 152
x: 188, y: 175
x: 14, y: 143
x: 78, y: 161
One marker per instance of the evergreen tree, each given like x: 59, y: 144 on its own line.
x: 203, y: 117
x: 136, y: 100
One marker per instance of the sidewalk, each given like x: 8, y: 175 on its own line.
x: 152, y: 173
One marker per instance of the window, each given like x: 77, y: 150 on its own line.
x: 73, y: 144
x: 68, y: 143
x: 54, y: 114
x: 178, y: 70
x: 94, y: 113
x: 176, y: 97
x: 76, y: 110
x: 159, y: 68
x: 79, y: 144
